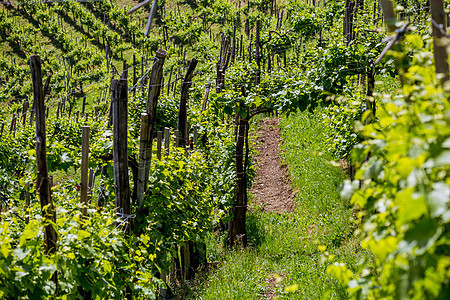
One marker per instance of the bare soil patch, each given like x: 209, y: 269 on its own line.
x: 272, y: 190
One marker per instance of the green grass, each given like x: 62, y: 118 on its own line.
x: 284, y: 254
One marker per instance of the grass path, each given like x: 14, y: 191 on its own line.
x: 271, y: 191
x: 290, y: 251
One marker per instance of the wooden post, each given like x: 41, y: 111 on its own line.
x: 124, y: 70
x: 169, y: 83
x: 233, y: 45
x: 151, y: 17
x: 158, y: 144
x: 258, y: 58
x: 167, y: 140
x: 250, y: 57
x: 205, y: 96
x: 144, y: 141
x: 84, y: 169
x: 119, y: 101
x: 370, y: 100
x: 182, y: 113
x: 13, y: 121
x: 27, y: 203
x: 440, y: 40
x: 134, y: 70
x: 57, y: 110
x: 42, y: 182
x: 47, y: 84
x: 24, y: 112
x: 145, y: 147
x: 142, y: 73
x: 163, y: 290
x: 389, y: 15
x: 242, y: 48
x: 84, y: 105
x: 237, y: 231
x: 186, y: 134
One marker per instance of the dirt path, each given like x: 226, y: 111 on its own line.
x: 271, y: 190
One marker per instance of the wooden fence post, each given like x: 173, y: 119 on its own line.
x: 24, y: 112
x: 182, y: 113
x: 119, y: 101
x: 205, y: 96
x: 258, y: 56
x: 145, y: 147
x: 186, y: 134
x: 84, y: 169
x: 167, y: 140
x: 144, y: 141
x: 27, y: 203
x: 13, y: 122
x: 370, y: 100
x: 84, y: 106
x: 237, y: 230
x: 389, y: 15
x: 440, y: 40
x: 42, y: 183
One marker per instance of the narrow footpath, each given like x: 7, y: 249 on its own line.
x: 271, y: 190
x: 287, y: 237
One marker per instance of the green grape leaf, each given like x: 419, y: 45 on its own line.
x: 411, y: 205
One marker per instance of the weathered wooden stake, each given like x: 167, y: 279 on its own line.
x: 205, y: 96
x: 144, y: 141
x: 237, y: 230
x: 24, y: 112
x: 119, y: 101
x: 83, y: 109
x: 167, y: 140
x: 182, y: 113
x: 440, y: 39
x: 145, y: 146
x: 84, y: 169
x: 13, y: 122
x: 370, y: 100
x: 27, y: 203
x: 389, y: 15
x: 42, y: 182
x: 186, y: 134
x: 258, y: 58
